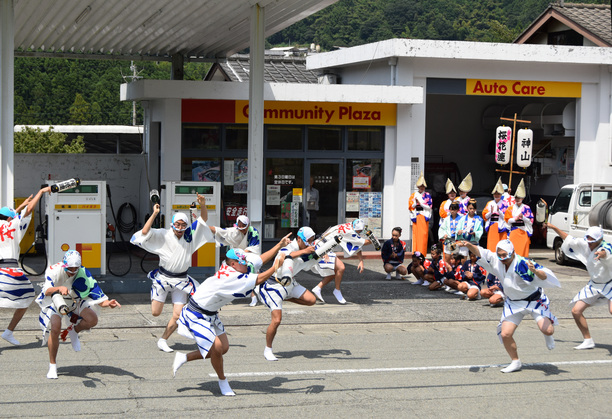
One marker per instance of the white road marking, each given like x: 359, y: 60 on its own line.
x: 403, y: 369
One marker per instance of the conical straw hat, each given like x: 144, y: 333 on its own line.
x: 449, y: 186
x: 520, y: 190
x: 499, y: 187
x: 421, y: 181
x: 466, y: 183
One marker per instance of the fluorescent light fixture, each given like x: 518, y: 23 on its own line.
x: 152, y: 17
x: 83, y: 14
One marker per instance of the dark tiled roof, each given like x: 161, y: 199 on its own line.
x: 595, y: 18
x: 276, y: 69
x: 590, y: 20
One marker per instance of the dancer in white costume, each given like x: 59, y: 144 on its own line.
x: 241, y: 236
x: 200, y: 321
x: 16, y: 290
x: 283, y: 286
x: 83, y: 294
x: 332, y: 268
x: 522, y: 281
x: 174, y: 247
x: 595, y: 254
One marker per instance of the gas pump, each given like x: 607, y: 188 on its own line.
x: 179, y: 197
x: 77, y: 220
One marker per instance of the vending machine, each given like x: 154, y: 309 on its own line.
x: 179, y: 197
x: 77, y: 220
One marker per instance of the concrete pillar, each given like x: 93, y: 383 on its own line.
x: 256, y: 118
x: 7, y: 87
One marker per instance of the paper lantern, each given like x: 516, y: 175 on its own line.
x: 524, y: 146
x: 503, y: 145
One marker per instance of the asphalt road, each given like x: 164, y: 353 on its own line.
x: 395, y: 349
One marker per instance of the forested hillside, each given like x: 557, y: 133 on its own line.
x: 61, y: 91
x: 355, y: 22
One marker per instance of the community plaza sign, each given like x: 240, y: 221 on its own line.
x: 294, y: 113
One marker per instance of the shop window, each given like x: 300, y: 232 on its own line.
x: 235, y: 176
x: 365, y: 138
x: 237, y: 137
x: 284, y: 137
x: 201, y: 137
x: 364, y: 192
x: 283, y: 196
x: 324, y: 138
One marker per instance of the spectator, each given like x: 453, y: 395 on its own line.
x: 392, y: 254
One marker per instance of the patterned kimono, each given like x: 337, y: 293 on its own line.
x: 420, y: 220
x: 520, y: 230
x: 495, y: 223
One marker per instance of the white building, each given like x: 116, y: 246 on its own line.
x: 437, y: 104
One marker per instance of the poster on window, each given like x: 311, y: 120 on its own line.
x: 273, y: 196
x: 362, y: 174
x: 206, y: 171
x: 240, y: 175
x: 352, y: 201
x: 228, y: 172
x: 370, y: 210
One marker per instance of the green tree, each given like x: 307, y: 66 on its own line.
x: 80, y: 111
x: 30, y: 140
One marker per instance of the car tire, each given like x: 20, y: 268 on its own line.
x: 560, y: 257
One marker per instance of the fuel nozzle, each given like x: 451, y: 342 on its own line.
x: 154, y: 196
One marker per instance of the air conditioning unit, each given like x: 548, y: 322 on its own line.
x: 328, y: 78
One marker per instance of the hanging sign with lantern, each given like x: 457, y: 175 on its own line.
x: 524, y: 146
x: 502, y: 145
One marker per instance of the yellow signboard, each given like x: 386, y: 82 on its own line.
x: 522, y: 88
x: 322, y: 113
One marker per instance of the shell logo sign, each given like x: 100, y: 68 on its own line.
x: 522, y: 88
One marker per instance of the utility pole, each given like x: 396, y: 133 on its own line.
x: 132, y: 77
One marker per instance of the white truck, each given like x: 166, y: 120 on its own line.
x: 575, y: 209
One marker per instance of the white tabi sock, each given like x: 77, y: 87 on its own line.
x: 52, y: 374
x: 339, y: 297
x: 8, y: 336
x: 179, y: 359
x: 253, y: 302
x: 550, y: 342
x: 515, y: 365
x: 226, y: 390
x: 269, y: 355
x: 162, y: 344
x: 586, y: 344
x: 74, y: 339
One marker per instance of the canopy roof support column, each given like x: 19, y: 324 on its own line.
x: 7, y: 64
x: 256, y: 118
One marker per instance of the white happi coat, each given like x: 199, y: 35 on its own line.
x: 517, y: 288
x: 351, y: 243
x: 599, y: 270
x: 16, y: 290
x: 234, y: 238
x: 174, y: 253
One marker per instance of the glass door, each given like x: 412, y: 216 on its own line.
x: 323, y: 192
